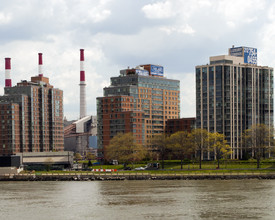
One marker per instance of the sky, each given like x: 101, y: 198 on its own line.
x: 177, y: 34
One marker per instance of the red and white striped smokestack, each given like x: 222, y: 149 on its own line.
x: 40, y: 64
x: 7, y: 72
x: 82, y: 86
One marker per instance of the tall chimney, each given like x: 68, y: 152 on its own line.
x: 7, y: 72
x: 82, y: 86
x: 40, y: 64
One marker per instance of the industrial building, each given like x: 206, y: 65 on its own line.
x: 80, y: 136
x: 139, y: 100
x: 84, y: 129
x: 232, y: 94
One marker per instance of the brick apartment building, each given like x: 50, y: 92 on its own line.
x: 140, y: 100
x: 31, y: 115
x: 180, y: 124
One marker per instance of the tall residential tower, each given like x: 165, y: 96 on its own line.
x: 232, y: 94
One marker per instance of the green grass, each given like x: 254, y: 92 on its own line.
x: 173, y: 167
x: 209, y: 165
x: 191, y: 172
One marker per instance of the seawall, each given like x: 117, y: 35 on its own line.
x: 131, y: 176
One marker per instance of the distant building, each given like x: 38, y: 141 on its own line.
x: 84, y: 130
x: 232, y: 94
x: 140, y: 100
x: 31, y: 116
x: 180, y: 124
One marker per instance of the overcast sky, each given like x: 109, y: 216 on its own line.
x: 177, y: 34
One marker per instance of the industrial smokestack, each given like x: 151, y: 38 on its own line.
x: 82, y: 86
x: 7, y: 72
x: 40, y: 64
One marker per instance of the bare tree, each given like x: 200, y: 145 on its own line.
x: 259, y: 138
x: 160, y: 144
x: 199, y: 140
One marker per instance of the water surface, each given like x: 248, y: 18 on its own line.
x: 177, y: 199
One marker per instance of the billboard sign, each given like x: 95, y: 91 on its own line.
x: 156, y: 70
x: 236, y: 51
x: 248, y: 53
x: 142, y: 72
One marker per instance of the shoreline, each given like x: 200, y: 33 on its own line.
x: 131, y: 176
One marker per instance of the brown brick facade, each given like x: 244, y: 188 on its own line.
x: 33, y: 118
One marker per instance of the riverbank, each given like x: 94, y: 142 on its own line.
x: 131, y: 176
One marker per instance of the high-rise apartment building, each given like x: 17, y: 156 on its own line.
x: 232, y: 94
x: 31, y: 115
x: 140, y: 100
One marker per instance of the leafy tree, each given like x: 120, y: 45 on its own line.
x: 199, y: 140
x: 258, y: 139
x: 77, y: 157
x: 123, y: 148
x: 160, y: 144
x: 90, y: 156
x: 179, y: 143
x: 48, y: 163
x: 219, y: 145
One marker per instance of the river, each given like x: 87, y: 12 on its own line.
x: 198, y: 199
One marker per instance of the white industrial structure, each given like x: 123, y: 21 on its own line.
x: 40, y: 65
x: 82, y: 86
x: 7, y: 72
x: 80, y: 134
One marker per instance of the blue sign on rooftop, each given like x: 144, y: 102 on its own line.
x: 248, y: 53
x: 156, y: 70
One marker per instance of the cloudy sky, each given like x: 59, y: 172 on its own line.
x: 178, y: 34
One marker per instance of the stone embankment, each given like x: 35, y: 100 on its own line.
x: 131, y: 176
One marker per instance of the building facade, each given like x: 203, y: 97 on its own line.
x: 140, y: 100
x: 232, y: 94
x: 85, y: 129
x: 31, y: 116
x: 180, y: 124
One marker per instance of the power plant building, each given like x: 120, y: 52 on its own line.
x: 232, y: 94
x: 139, y: 100
x: 31, y: 116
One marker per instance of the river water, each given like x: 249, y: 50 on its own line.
x: 177, y: 199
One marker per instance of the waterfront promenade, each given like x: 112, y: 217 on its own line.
x: 97, y: 176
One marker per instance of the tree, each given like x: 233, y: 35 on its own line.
x: 123, y: 148
x: 179, y: 143
x: 219, y: 145
x: 77, y: 157
x: 199, y: 140
x: 160, y: 144
x: 48, y: 163
x: 258, y: 139
x: 89, y: 157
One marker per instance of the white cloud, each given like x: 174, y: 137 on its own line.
x: 185, y: 29
x: 187, y: 95
x: 5, y: 18
x: 177, y: 34
x: 159, y: 10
